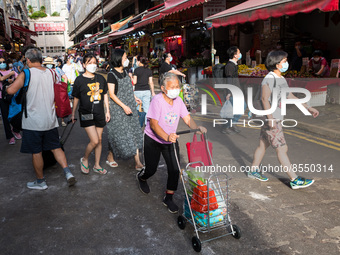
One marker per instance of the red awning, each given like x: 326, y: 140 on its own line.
x: 83, y: 43
x: 94, y: 35
x: 14, y: 19
x: 252, y: 10
x: 173, y: 6
x: 103, y: 40
x: 87, y: 47
x: 115, y: 35
x: 150, y: 17
x: 23, y: 30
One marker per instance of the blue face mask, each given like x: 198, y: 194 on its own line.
x: 49, y: 66
x: 240, y: 56
x: 3, y: 66
x: 284, y: 68
x: 171, y: 59
x: 71, y: 60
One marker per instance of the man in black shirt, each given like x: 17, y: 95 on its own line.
x: 298, y: 54
x: 231, y: 73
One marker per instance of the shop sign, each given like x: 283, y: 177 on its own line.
x: 214, y: 6
x: 40, y: 27
x: 171, y: 33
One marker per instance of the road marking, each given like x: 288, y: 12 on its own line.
x: 318, y: 138
x: 307, y: 137
x: 313, y: 141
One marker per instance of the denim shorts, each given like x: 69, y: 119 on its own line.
x: 34, y: 142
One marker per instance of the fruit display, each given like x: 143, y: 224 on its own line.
x: 257, y: 71
x: 207, y: 70
x: 296, y: 74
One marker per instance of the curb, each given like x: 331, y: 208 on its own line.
x: 319, y: 130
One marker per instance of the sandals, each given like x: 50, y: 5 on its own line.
x: 112, y: 164
x: 99, y: 170
x: 83, y: 168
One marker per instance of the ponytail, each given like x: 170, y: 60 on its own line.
x: 143, y: 61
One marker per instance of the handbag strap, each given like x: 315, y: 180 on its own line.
x: 95, y: 82
x: 194, y: 139
x: 53, y: 75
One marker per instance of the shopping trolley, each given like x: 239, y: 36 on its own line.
x: 206, y: 205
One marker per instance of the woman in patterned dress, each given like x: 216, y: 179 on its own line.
x: 124, y: 133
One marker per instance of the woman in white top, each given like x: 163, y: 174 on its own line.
x: 271, y: 132
x: 70, y: 69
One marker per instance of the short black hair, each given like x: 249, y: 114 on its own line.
x: 88, y: 57
x: 273, y: 58
x: 116, y: 58
x: 165, y: 55
x: 317, y: 53
x: 232, y: 51
x: 143, y: 60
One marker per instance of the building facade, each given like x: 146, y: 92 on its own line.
x: 17, y: 9
x: 85, y: 16
x: 52, y: 37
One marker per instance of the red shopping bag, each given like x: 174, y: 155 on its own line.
x: 61, y: 99
x: 198, y: 151
x: 199, y: 201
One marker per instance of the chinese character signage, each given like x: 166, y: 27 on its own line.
x: 213, y: 7
x: 39, y: 27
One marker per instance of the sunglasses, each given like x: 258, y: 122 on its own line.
x: 1, y: 62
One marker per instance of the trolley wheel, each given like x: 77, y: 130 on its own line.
x: 196, y: 244
x: 181, y: 221
x: 237, y: 234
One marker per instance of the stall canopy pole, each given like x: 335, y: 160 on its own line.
x: 212, y: 46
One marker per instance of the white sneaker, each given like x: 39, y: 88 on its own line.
x: 71, y: 180
x: 36, y: 185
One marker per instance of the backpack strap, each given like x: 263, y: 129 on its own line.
x: 25, y: 88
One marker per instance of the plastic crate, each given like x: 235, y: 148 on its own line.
x: 318, y: 98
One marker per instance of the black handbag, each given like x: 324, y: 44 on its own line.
x: 6, y: 97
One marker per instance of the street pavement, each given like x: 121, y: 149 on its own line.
x: 109, y: 215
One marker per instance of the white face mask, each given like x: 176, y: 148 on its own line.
x: 173, y: 93
x: 92, y: 68
x: 126, y: 63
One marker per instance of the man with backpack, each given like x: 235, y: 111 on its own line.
x: 40, y: 125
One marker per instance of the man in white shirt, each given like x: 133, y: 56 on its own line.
x: 40, y: 127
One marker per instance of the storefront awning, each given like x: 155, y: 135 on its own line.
x: 87, y: 47
x: 23, y: 30
x: 173, y: 6
x: 83, y: 43
x: 120, y: 24
x: 116, y: 35
x: 103, y: 40
x: 149, y: 18
x: 252, y: 10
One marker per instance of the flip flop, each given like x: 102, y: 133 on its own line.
x: 99, y: 171
x: 83, y: 168
x: 112, y: 164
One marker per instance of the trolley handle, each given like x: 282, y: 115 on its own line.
x: 187, y: 131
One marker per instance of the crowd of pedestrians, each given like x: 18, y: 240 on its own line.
x: 114, y: 103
